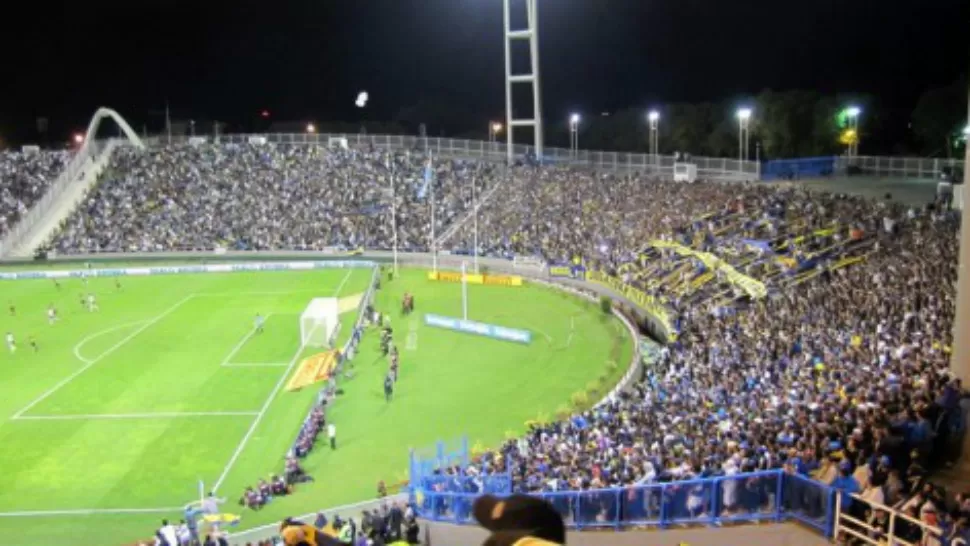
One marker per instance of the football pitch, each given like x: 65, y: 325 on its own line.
x: 112, y: 422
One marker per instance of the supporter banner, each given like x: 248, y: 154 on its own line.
x: 528, y: 261
x: 316, y: 368
x: 646, y: 302
x: 455, y: 276
x: 570, y: 271
x: 754, y: 288
x: 479, y: 328
x: 188, y: 269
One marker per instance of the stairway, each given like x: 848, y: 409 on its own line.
x: 43, y: 219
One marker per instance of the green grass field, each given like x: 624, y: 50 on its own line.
x: 122, y: 411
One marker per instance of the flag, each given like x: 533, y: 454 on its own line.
x: 428, y: 174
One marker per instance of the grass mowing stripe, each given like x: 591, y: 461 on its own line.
x: 159, y: 415
x: 110, y: 350
x: 87, y: 512
x: 269, y: 400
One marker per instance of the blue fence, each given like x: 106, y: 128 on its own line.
x: 794, y: 169
x: 760, y: 496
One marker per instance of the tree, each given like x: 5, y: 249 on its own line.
x: 940, y: 114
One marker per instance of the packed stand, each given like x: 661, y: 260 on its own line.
x: 24, y: 178
x: 268, y: 197
x: 257, y: 496
x: 841, y: 376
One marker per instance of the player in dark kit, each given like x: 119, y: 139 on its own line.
x: 13, y: 310
x: 388, y: 387
x: 33, y: 344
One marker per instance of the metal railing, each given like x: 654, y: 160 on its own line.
x: 919, y: 168
x: 81, y: 161
x: 713, y: 168
x: 759, y: 496
x: 878, y: 524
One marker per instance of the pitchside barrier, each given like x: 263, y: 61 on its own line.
x: 770, y: 496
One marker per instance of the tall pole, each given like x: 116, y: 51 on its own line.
x: 475, y: 223
x: 168, y: 123
x: 434, y: 246
x: 393, y: 215
x: 464, y: 292
x: 960, y: 360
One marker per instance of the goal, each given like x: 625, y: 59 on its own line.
x: 319, y: 322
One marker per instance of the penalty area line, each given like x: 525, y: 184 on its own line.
x: 83, y: 342
x: 110, y: 350
x: 87, y: 512
x: 269, y: 400
x: 158, y: 415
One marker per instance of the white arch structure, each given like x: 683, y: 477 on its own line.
x: 95, y: 123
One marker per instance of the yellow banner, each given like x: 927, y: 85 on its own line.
x: 653, y: 306
x: 318, y: 367
x: 454, y: 276
x: 754, y: 288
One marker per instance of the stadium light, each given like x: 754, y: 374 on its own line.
x: 852, y: 118
x: 494, y: 128
x: 966, y: 131
x: 653, y: 115
x: 311, y: 128
x: 744, y: 133
x: 78, y: 138
x: 574, y: 133
x: 264, y: 113
x: 654, y: 118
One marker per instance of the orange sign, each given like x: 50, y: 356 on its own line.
x: 318, y: 367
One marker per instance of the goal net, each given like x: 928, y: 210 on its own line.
x: 319, y: 322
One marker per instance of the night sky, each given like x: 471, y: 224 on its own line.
x: 307, y: 59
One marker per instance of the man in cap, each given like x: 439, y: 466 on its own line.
x: 519, y: 520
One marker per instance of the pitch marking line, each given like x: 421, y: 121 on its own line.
x: 256, y: 364
x: 239, y: 346
x: 83, y: 342
x: 159, y: 415
x: 88, y: 512
x: 110, y: 350
x: 269, y: 400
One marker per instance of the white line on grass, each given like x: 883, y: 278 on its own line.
x: 256, y: 421
x: 256, y: 365
x: 88, y: 511
x: 110, y: 350
x: 77, y: 348
x: 159, y: 415
x: 269, y: 400
x: 247, y: 337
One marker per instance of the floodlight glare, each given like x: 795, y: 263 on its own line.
x: 311, y: 128
x: 78, y: 138
x: 574, y: 119
x: 744, y: 113
x: 853, y: 111
x: 653, y: 115
x: 496, y: 127
x: 362, y: 98
x: 966, y: 131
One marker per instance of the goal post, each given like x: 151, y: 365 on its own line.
x: 319, y: 322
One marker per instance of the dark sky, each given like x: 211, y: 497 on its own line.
x: 306, y: 59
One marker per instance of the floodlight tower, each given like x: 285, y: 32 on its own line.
x: 530, y: 33
x: 744, y: 123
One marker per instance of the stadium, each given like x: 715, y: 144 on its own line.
x: 311, y: 337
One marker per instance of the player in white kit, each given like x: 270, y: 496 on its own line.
x: 11, y: 343
x: 92, y: 303
x: 51, y: 314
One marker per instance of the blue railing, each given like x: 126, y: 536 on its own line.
x: 759, y: 496
x: 794, y: 169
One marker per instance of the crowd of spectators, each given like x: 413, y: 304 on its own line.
x: 24, y: 177
x: 839, y: 374
x: 267, y: 196
x: 257, y: 496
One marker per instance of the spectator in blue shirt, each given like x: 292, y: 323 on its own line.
x: 846, y: 484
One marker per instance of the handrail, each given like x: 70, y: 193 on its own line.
x: 876, y: 536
